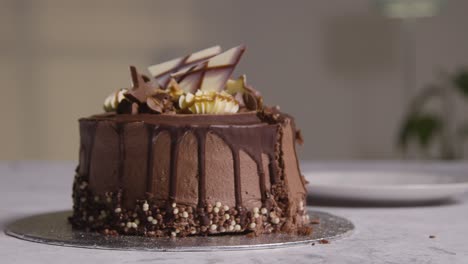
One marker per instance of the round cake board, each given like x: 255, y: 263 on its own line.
x: 53, y: 229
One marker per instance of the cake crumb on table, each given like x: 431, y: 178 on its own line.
x: 324, y: 241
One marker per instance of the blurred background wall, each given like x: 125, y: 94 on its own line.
x: 336, y: 65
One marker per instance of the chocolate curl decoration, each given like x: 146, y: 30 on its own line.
x: 250, y: 102
x: 253, y: 100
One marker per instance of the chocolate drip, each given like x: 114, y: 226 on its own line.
x: 272, y: 169
x: 261, y: 179
x: 254, y: 141
x: 88, y: 146
x: 237, y: 180
x: 200, y: 134
x: 201, y: 141
x: 121, y: 134
x: 150, y: 158
x: 176, y: 136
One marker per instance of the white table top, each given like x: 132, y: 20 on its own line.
x: 382, y: 235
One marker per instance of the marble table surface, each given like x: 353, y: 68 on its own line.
x: 382, y: 234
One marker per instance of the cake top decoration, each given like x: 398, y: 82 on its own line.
x: 162, y: 72
x: 199, y: 83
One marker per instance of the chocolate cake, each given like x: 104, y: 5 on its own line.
x: 189, y: 151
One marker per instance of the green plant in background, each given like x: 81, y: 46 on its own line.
x: 426, y: 127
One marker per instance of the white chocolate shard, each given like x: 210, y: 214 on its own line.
x: 229, y: 57
x: 212, y: 74
x: 163, y: 70
x: 215, y: 80
x: 191, y: 82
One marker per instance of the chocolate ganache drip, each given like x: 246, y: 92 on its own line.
x: 87, y: 132
x: 255, y: 141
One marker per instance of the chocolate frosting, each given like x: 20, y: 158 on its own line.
x: 140, y: 157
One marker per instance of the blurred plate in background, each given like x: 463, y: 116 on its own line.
x: 386, y: 182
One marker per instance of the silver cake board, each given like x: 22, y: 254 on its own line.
x: 54, y: 229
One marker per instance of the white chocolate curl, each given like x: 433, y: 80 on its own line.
x: 113, y: 100
x: 209, y: 102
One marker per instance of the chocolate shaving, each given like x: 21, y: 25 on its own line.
x: 161, y: 102
x: 142, y: 87
x: 304, y: 231
x: 155, y: 104
x: 250, y: 101
x: 165, y: 99
x: 248, y: 98
x: 251, y: 235
x: 272, y: 115
x: 255, y: 94
x: 324, y: 241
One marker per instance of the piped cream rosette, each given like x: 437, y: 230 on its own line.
x: 208, y: 102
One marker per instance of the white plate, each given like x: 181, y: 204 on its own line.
x: 386, y: 182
